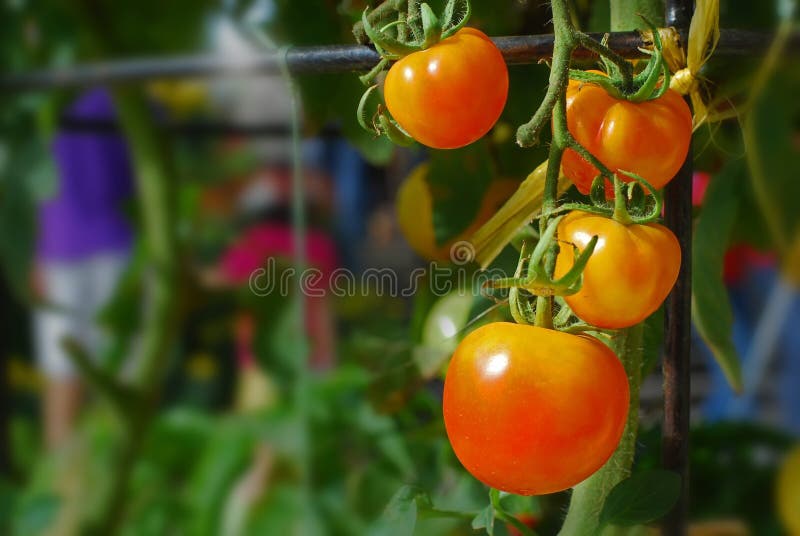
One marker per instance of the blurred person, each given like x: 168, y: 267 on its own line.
x: 260, y: 204
x: 84, y: 243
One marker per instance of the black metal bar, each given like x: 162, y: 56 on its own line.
x: 194, y: 129
x: 677, y: 362
x: 326, y: 59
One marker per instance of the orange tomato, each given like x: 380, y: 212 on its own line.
x: 630, y: 273
x: 532, y: 411
x: 450, y: 94
x: 649, y: 138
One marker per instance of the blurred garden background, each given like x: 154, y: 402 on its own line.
x: 165, y: 367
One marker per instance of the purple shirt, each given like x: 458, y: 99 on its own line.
x: 85, y: 216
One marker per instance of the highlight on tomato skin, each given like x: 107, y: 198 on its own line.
x: 630, y: 273
x: 451, y: 94
x: 533, y: 411
x: 649, y: 138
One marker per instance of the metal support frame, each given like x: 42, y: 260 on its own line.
x: 329, y: 59
x: 678, y: 330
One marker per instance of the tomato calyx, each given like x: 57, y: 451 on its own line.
x: 426, y: 28
x: 634, y: 202
x: 531, y: 278
x: 381, y: 122
x: 649, y: 84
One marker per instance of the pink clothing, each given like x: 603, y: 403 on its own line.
x: 251, y: 251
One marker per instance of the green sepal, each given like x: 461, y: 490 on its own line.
x: 361, y: 112
x: 431, y: 27
x: 394, y: 132
x: 387, y: 46
x: 448, y: 28
x: 658, y: 200
x: 598, y: 191
x: 598, y: 80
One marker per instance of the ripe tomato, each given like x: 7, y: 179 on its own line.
x: 532, y: 411
x: 630, y: 273
x: 414, y: 206
x: 788, y: 493
x: 450, y: 94
x: 649, y: 138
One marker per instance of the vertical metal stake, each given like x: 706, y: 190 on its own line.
x: 676, y: 366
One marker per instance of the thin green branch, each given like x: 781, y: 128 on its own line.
x: 625, y: 67
x: 120, y: 396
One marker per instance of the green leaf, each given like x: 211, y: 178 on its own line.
x: 773, y: 153
x: 711, y: 309
x: 27, y: 162
x: 36, y: 514
x: 485, y: 520
x: 642, y: 498
x: 8, y: 497
x: 458, y: 179
x: 400, y: 516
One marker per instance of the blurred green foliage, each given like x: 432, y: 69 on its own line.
x: 375, y: 424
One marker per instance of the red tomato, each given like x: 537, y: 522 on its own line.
x: 532, y: 411
x: 630, y: 273
x: 529, y: 520
x: 450, y: 94
x: 649, y: 138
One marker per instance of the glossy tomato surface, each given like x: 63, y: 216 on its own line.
x: 628, y: 276
x: 414, y: 208
x: 533, y: 411
x: 649, y: 138
x: 450, y: 94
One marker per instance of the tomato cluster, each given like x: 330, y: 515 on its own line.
x: 530, y: 410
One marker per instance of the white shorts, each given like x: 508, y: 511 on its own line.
x: 75, y: 292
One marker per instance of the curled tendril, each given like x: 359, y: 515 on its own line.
x: 658, y: 199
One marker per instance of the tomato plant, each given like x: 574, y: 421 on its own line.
x: 628, y: 276
x: 414, y: 206
x: 650, y: 138
x: 450, y: 94
x: 531, y: 410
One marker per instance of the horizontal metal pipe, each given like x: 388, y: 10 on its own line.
x: 326, y: 59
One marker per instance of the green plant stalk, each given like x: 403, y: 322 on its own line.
x: 554, y: 103
x: 156, y: 195
x: 302, y: 379
x: 589, y: 496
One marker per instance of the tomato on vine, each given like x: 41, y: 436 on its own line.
x: 649, y: 138
x: 530, y: 410
x: 451, y: 94
x: 628, y: 276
